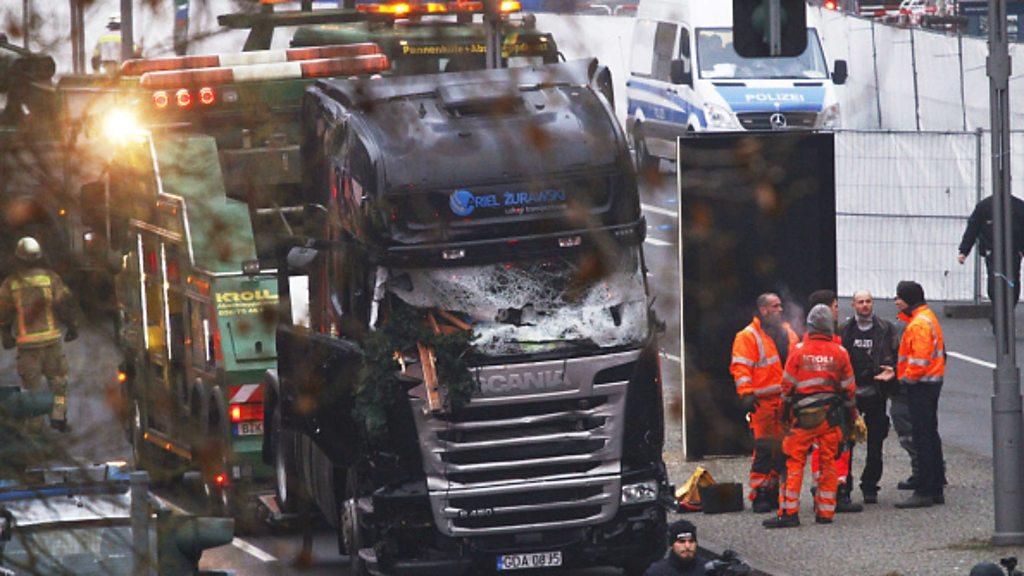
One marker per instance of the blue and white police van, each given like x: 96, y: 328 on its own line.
x: 685, y: 77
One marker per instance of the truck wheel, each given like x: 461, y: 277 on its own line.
x: 645, y: 162
x: 288, y: 490
x: 351, y: 526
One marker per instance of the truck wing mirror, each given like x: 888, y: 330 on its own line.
x: 840, y: 72
x: 680, y: 72
x: 300, y: 258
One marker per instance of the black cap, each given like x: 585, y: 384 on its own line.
x: 986, y: 569
x: 681, y: 530
x: 910, y: 292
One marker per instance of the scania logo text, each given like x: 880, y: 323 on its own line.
x: 524, y: 382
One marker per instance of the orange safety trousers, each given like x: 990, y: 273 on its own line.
x: 796, y: 445
x: 768, y: 461
x: 842, y: 463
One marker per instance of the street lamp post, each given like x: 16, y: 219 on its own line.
x: 1007, y: 426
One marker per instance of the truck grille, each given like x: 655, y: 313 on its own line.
x: 763, y: 120
x: 527, y: 460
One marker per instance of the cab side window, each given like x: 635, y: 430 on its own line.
x: 664, y: 45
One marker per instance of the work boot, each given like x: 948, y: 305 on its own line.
x: 844, y: 503
x: 908, y: 484
x: 822, y: 520
x: 787, y: 521
x: 766, y: 500
x: 916, y: 501
x: 871, y: 497
x: 939, y: 498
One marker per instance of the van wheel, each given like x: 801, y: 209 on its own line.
x: 645, y: 162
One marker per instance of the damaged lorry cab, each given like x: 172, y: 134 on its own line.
x: 498, y: 209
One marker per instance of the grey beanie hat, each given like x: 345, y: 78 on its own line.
x: 819, y: 320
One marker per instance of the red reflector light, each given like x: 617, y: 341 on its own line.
x: 207, y: 96
x: 220, y: 479
x: 830, y: 5
x: 160, y: 99
x: 246, y: 412
x: 183, y: 97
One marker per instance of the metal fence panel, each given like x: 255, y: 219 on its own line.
x: 902, y: 201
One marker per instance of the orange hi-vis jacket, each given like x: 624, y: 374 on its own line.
x: 817, y: 369
x: 922, y: 356
x: 756, y: 366
x: 29, y: 299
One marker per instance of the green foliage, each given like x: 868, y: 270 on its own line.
x: 380, y: 390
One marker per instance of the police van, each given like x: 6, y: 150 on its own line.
x: 686, y: 77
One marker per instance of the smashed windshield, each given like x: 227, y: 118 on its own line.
x: 717, y: 59
x: 84, y: 551
x: 538, y: 306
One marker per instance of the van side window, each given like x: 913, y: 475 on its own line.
x: 642, y: 59
x: 664, y: 42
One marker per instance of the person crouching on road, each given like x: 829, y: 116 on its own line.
x: 921, y: 368
x: 759, y: 353
x: 819, y: 390
x: 32, y: 300
x: 681, y: 559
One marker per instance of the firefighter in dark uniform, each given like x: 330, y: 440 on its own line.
x: 33, y: 303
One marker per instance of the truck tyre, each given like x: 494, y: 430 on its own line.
x: 645, y: 162
x: 351, y: 525
x: 289, y: 491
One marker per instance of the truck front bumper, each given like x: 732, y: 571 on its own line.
x: 635, y: 535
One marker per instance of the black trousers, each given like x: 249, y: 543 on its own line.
x: 924, y: 417
x: 1015, y: 276
x: 872, y: 408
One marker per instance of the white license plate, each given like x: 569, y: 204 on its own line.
x: 530, y: 560
x: 249, y: 428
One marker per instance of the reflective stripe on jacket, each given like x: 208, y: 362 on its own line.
x: 108, y: 47
x: 819, y: 366
x: 756, y: 366
x: 28, y: 300
x: 922, y: 355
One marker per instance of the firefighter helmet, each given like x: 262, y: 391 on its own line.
x: 114, y: 21
x: 28, y: 249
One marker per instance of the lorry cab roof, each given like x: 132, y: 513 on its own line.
x: 525, y: 121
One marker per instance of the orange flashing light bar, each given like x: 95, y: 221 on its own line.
x: 405, y: 9
x: 138, y: 67
x: 368, y: 64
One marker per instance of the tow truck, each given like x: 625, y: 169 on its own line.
x: 204, y: 181
x: 467, y: 376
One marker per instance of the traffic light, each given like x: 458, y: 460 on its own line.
x: 752, y: 28
x: 181, y: 539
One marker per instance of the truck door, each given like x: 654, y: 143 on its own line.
x: 156, y: 372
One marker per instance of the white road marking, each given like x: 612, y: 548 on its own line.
x: 242, y: 545
x: 252, y: 550
x: 670, y: 357
x: 972, y: 360
x: 657, y: 242
x: 659, y: 210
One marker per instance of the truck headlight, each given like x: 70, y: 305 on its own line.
x: 829, y: 118
x: 640, y: 492
x: 720, y: 118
